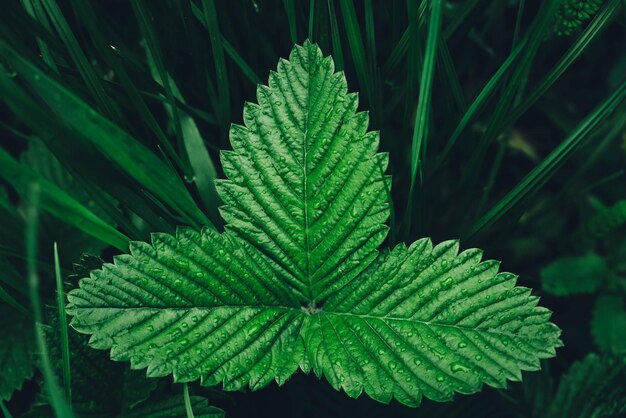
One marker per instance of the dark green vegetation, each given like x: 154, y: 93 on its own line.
x: 511, y: 139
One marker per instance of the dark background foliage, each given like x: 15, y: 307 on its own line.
x: 476, y: 187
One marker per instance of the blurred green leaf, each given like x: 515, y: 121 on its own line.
x: 573, y: 275
x: 608, y: 324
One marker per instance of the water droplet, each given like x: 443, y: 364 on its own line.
x: 181, y: 262
x: 440, y: 378
x: 462, y: 344
x: 458, y: 367
x: 478, y: 357
x: 392, y: 365
x: 447, y: 283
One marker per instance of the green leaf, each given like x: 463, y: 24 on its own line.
x: 573, y: 275
x: 297, y: 280
x: 16, y: 351
x: 608, y: 324
x: 593, y: 387
x: 602, y: 223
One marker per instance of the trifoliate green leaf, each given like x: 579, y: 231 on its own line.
x: 297, y: 280
x: 592, y: 388
x: 573, y: 275
x: 608, y: 324
x: 16, y: 351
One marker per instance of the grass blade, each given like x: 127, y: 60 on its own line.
x: 593, y: 29
x: 91, y: 127
x: 6, y: 297
x: 152, y: 45
x: 240, y: 62
x: 229, y: 49
x: 204, y: 172
x: 459, y: 17
x: 65, y: 340
x: 335, y: 37
x: 59, y: 404
x: 290, y: 10
x: 92, y: 80
x: 370, y: 41
x: 355, y: 40
x: 479, y: 103
x: 58, y: 203
x: 212, y: 25
x: 87, y: 15
x: 311, y: 19
x: 546, y: 169
x: 4, y: 410
x: 420, y: 132
x: 33, y: 8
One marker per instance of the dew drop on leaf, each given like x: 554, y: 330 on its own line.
x: 457, y: 367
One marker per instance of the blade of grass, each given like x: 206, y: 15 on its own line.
x: 4, y: 410
x: 88, y: 17
x: 600, y: 146
x: 370, y: 41
x: 7, y: 298
x: 188, y: 407
x: 59, y: 404
x: 601, y: 21
x: 459, y: 17
x: 92, y: 80
x: 152, y: 45
x: 229, y: 49
x: 33, y: 8
x: 402, y: 47
x: 204, y: 172
x: 451, y: 77
x: 335, y: 37
x: 511, y: 90
x: 478, y: 104
x: 420, y: 131
x: 11, y: 277
x: 290, y: 10
x: 497, y: 162
x: 546, y: 169
x: 90, y: 127
x: 65, y: 340
x: 212, y: 25
x: 58, y: 203
x: 239, y: 61
x: 311, y: 19
x: 355, y: 40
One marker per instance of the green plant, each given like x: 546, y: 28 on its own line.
x: 493, y: 128
x: 297, y: 281
x: 601, y: 276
